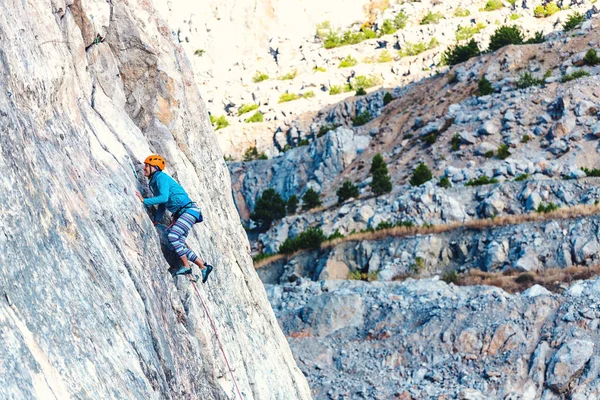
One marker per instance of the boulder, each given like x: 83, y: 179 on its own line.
x: 567, y: 363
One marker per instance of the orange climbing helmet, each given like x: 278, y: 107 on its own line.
x: 156, y: 160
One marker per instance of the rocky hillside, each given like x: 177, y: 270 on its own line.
x: 88, y: 309
x: 424, y: 339
x: 522, y: 148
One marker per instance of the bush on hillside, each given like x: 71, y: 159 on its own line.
x: 246, y: 108
x: 387, y: 98
x: 526, y: 80
x: 420, y: 175
x: 591, y: 58
x: 573, y: 21
x: 285, y: 97
x: 361, y: 118
x: 575, y: 75
x: 503, y: 152
x: 347, y: 191
x: 504, y: 36
x: 310, y: 200
x: 445, y: 183
x: 381, y: 182
x: 400, y: 20
x: 309, y: 239
x: 485, y: 87
x: 493, y: 5
x: 461, y: 12
x: 347, y: 62
x: 412, y: 49
x: 388, y: 28
x: 269, y: 207
x: 219, y: 122
x: 537, y: 38
x: 460, y: 53
x: 259, y: 77
x: 467, y: 32
x: 251, y: 154
x: 432, y: 18
x: 291, y: 205
x: 360, y: 92
x: 482, y: 180
x: 257, y: 117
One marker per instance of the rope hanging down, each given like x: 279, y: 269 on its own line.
x: 217, y: 336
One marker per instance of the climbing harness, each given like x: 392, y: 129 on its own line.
x: 217, y: 336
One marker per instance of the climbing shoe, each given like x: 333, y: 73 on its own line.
x: 183, y: 271
x: 205, y: 272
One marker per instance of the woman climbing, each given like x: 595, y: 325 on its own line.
x: 171, y: 196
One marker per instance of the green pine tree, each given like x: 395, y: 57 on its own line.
x: 381, y: 182
x: 310, y: 200
x: 269, y: 207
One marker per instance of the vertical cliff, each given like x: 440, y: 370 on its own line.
x: 88, y: 88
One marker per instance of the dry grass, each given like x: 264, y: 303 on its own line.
x: 476, y: 224
x: 269, y: 260
x: 553, y: 279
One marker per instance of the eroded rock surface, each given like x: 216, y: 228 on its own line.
x: 88, y: 309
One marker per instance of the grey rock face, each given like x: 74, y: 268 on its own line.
x: 88, y: 309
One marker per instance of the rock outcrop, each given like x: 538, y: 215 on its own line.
x: 87, y: 308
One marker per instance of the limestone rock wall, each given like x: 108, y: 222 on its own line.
x: 87, y: 90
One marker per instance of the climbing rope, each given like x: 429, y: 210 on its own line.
x: 217, y: 336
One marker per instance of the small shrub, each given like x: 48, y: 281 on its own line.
x: 308, y: 95
x: 288, y: 76
x: 524, y: 278
x: 504, y: 36
x: 482, y: 180
x: 514, y: 16
x: 526, y: 80
x: 493, y: 5
x: 335, y: 89
x: 461, y: 12
x: 245, y: 108
x: 574, y: 19
x: 291, y: 205
x: 445, y: 183
x: 322, y: 29
x: 400, y: 20
x: 430, y: 139
x: 360, y: 92
x: 432, y: 18
x: 412, y: 49
x: 326, y: 128
x: 467, y: 32
x: 361, y: 119
x: 319, y: 69
x: 309, y: 239
x: 219, y: 122
x: 199, y: 52
x: 303, y: 142
x: 347, y: 191
x: 545, y: 11
x: 347, y: 62
x: 485, y: 87
x: 257, y: 117
x: 591, y: 172
x: 285, y: 97
x: 269, y: 207
x: 455, y: 142
x: 384, y: 57
x: 546, y: 208
x: 525, y: 138
x: 537, y: 38
x: 503, y: 152
x: 252, y: 154
x: 522, y: 177
x: 381, y: 182
x: 387, y: 98
x: 388, y: 27
x: 259, y: 77
x: 489, y: 154
x: 452, y: 79
x: 364, y: 82
x: 575, y: 75
x: 310, y: 200
x: 450, y: 277
x: 591, y: 58
x: 418, y: 265
x: 420, y: 175
x: 460, y: 53
x: 335, y: 235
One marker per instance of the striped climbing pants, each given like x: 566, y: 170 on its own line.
x: 178, y: 233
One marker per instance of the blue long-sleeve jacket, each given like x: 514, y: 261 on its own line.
x: 168, y: 194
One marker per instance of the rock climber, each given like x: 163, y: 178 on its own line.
x: 170, y: 195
